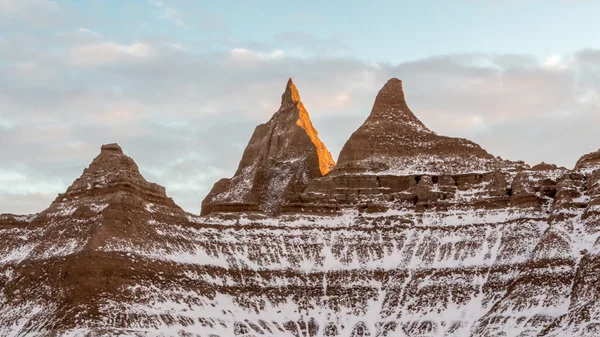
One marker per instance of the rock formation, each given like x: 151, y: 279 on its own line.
x: 282, y: 157
x: 589, y: 161
x: 393, y: 157
x: 112, y: 175
x: 392, y: 140
x: 59, y: 267
x: 482, y: 248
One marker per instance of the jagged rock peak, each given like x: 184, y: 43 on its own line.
x: 110, y: 163
x: 390, y: 104
x: 284, y: 126
x: 111, y: 173
x: 282, y: 156
x: 291, y: 94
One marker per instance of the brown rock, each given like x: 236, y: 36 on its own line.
x: 393, y: 139
x: 590, y: 160
x: 424, y: 193
x: 77, y: 249
x: 592, y: 211
x: 543, y: 166
x: 282, y: 157
x: 112, y: 174
x: 393, y: 150
x: 524, y: 193
x: 114, y: 256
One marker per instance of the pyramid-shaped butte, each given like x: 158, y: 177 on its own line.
x: 109, y: 201
x: 112, y: 174
x: 282, y: 157
x: 393, y: 140
x: 84, y: 248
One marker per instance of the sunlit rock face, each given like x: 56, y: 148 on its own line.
x: 282, y: 157
x: 467, y: 250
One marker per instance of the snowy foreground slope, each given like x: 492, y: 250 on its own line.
x: 459, y: 244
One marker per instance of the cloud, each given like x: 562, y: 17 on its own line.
x: 249, y: 55
x: 554, y: 62
x: 25, y: 203
x: 109, y: 52
x: 185, y: 116
x: 30, y: 13
x: 25, y: 7
x: 85, y: 31
x: 305, y: 44
x: 169, y: 14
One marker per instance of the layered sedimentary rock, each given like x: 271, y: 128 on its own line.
x: 57, y: 268
x: 112, y: 176
x: 546, y: 289
x: 282, y: 157
x: 393, y: 141
x: 590, y: 161
x: 394, y: 158
x: 506, y: 250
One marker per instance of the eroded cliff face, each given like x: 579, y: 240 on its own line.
x: 471, y: 250
x: 282, y: 157
x: 393, y: 158
x: 57, y: 267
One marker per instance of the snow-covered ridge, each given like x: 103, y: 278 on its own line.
x: 462, y: 271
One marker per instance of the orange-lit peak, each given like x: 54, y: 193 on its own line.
x: 326, y: 162
x: 291, y: 94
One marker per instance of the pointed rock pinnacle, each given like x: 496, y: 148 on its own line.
x: 393, y: 139
x: 291, y: 94
x: 390, y: 103
x: 280, y: 159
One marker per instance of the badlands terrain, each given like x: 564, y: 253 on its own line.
x: 410, y: 233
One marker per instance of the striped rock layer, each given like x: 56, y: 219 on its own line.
x: 483, y: 248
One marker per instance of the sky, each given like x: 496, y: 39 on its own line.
x: 181, y: 85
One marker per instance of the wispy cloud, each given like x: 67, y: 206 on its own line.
x: 26, y: 6
x: 109, y: 52
x: 309, y: 44
x: 86, y: 31
x: 169, y: 14
x: 249, y: 55
x: 29, y: 13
